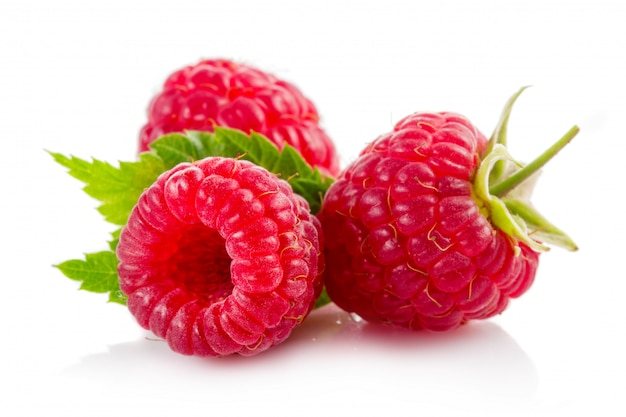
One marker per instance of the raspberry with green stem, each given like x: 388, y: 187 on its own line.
x: 432, y: 225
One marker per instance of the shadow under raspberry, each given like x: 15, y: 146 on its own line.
x: 331, y: 358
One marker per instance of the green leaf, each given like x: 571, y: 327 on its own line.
x: 97, y: 273
x: 287, y: 163
x: 291, y: 163
x: 206, y: 143
x: 255, y: 148
x: 117, y: 188
x: 115, y: 240
x: 175, y: 148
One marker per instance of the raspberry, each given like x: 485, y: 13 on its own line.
x: 224, y: 93
x: 220, y: 257
x: 411, y: 239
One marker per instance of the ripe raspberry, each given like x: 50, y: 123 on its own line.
x: 413, y: 238
x: 220, y: 257
x: 224, y: 93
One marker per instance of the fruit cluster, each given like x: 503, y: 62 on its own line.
x: 235, y: 221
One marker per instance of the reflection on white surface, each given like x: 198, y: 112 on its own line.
x: 480, y: 352
x: 352, y: 364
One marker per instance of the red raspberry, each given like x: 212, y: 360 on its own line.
x: 408, y: 239
x: 220, y: 257
x: 224, y: 93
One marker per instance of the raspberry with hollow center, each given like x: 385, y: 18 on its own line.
x: 220, y: 257
x: 229, y: 94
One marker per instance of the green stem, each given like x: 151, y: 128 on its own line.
x: 500, y: 189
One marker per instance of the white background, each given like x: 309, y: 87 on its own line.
x: 76, y: 77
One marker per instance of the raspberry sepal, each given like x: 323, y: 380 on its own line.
x: 541, y: 227
x: 503, y: 188
x: 497, y: 210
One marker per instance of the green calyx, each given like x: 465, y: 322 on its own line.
x: 503, y: 187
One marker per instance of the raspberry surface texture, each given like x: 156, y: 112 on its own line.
x: 229, y: 94
x: 408, y: 242
x: 220, y: 257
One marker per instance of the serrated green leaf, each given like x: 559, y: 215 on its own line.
x: 175, y: 148
x: 254, y: 148
x: 117, y: 188
x: 116, y: 238
x: 291, y: 163
x: 97, y: 273
x: 206, y: 143
x: 312, y: 191
x: 287, y: 163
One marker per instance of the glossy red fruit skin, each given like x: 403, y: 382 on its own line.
x: 407, y: 242
x: 220, y: 257
x: 229, y: 94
